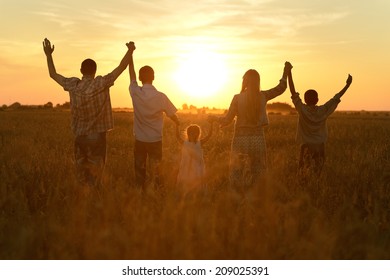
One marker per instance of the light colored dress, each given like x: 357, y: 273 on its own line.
x: 192, y: 168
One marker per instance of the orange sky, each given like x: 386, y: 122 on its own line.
x: 200, y: 50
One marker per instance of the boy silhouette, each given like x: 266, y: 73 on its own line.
x: 312, y: 132
x: 149, y: 107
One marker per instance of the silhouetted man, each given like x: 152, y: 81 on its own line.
x: 149, y: 107
x: 91, y: 112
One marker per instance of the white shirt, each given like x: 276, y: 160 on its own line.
x: 149, y: 105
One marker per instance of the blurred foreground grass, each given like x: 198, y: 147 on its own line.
x: 44, y: 214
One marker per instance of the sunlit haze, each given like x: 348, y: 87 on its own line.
x: 200, y: 49
x: 201, y: 73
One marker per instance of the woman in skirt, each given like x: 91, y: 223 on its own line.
x: 248, y: 157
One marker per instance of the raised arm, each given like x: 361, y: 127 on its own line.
x: 48, y: 49
x: 344, y: 89
x: 133, y: 76
x: 286, y: 70
x: 125, y: 60
x: 291, y: 83
x: 331, y: 105
x: 294, y: 95
x: 281, y: 87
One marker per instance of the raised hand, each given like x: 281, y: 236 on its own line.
x: 47, y: 48
x: 349, y: 79
x: 287, y: 66
x: 130, y: 46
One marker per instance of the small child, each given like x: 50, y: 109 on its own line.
x: 312, y: 131
x: 191, y: 174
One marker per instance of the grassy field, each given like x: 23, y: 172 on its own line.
x: 44, y: 214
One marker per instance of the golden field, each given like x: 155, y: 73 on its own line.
x: 45, y: 214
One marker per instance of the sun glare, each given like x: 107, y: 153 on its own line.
x: 201, y: 73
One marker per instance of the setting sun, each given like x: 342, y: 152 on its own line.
x: 201, y: 73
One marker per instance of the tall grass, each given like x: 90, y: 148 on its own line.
x: 45, y: 214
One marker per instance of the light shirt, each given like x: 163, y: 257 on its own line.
x: 149, y: 107
x: 90, y: 104
x: 312, y: 120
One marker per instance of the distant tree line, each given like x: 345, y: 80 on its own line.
x: 280, y: 106
x: 277, y: 106
x: 48, y: 105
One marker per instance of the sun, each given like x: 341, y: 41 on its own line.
x: 201, y: 73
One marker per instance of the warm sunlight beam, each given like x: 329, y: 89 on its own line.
x: 201, y: 73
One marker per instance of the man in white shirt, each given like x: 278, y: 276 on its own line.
x: 149, y: 107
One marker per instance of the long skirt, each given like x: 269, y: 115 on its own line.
x: 248, y: 159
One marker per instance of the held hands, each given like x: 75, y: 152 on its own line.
x: 130, y: 46
x: 349, y: 80
x: 287, y: 66
x: 47, y: 48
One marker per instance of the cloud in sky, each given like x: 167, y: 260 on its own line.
x: 158, y: 20
x: 167, y: 28
x: 250, y: 32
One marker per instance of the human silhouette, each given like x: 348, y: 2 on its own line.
x: 248, y: 157
x: 312, y: 131
x: 191, y: 176
x: 149, y: 107
x: 91, y: 112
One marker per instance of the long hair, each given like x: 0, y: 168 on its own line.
x: 251, y: 88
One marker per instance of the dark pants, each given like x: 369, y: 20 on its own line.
x: 312, y: 158
x: 143, y: 151
x: 90, y: 157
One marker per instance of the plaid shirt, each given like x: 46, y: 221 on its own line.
x: 238, y: 108
x: 90, y: 104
